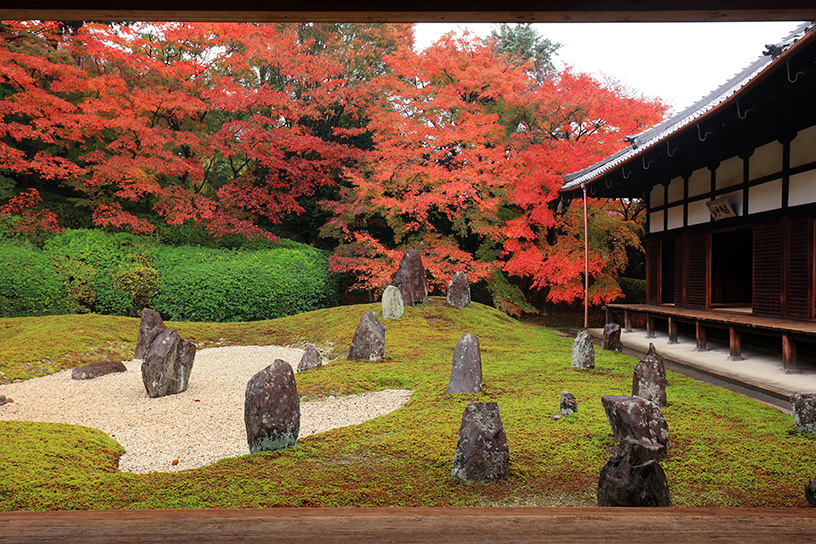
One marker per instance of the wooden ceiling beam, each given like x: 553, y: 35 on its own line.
x: 561, y: 11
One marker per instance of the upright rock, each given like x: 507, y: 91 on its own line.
x: 649, y: 379
x: 410, y: 279
x: 481, y: 452
x: 810, y: 492
x: 633, y: 478
x: 569, y: 404
x: 612, y: 337
x: 466, y: 370
x: 637, y: 419
x: 459, y: 291
x: 368, y: 343
x: 311, y: 359
x: 96, y: 369
x: 272, y: 409
x: 150, y: 326
x: 804, y: 411
x: 392, y: 306
x: 583, y: 352
x: 167, y: 364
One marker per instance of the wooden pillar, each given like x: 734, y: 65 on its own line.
x: 789, y: 354
x: 608, y: 317
x: 627, y: 321
x: 672, y: 330
x: 735, y: 343
x: 701, y: 337
x: 650, y: 327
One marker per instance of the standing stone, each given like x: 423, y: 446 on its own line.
x: 804, y: 411
x: 810, y: 492
x: 392, y: 306
x: 272, y: 409
x: 368, y: 343
x: 481, y: 452
x: 649, y: 379
x: 466, y: 370
x: 167, y: 364
x: 311, y: 359
x: 459, y: 291
x: 410, y: 279
x: 633, y: 478
x: 583, y: 352
x: 612, y: 337
x: 96, y: 369
x: 569, y: 404
x: 150, y: 326
x: 637, y: 419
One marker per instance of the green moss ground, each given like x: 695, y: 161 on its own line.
x: 728, y: 450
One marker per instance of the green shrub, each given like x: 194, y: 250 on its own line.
x: 634, y: 290
x: 200, y: 284
x: 29, y: 284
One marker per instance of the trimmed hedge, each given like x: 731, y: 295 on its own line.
x: 29, y: 285
x: 209, y: 285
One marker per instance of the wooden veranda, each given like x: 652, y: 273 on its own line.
x: 737, y: 322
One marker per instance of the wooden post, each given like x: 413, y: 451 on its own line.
x: 789, y: 354
x: 672, y: 330
x: 701, y: 337
x: 627, y: 321
x: 735, y: 343
x: 608, y: 317
x: 650, y: 328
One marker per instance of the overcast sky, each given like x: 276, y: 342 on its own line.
x: 678, y: 62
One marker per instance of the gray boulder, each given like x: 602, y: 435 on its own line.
x: 569, y: 404
x: 481, y: 452
x: 649, y: 379
x: 633, y: 478
x: 96, y: 369
x: 459, y: 291
x: 5, y: 400
x: 150, y: 326
x: 583, y: 352
x: 612, y: 337
x: 392, y: 306
x: 466, y: 369
x: 810, y: 492
x: 311, y: 359
x: 638, y: 420
x: 804, y: 411
x: 272, y: 409
x: 410, y: 279
x: 167, y: 364
x: 368, y: 343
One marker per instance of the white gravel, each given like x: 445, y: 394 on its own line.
x: 197, y: 427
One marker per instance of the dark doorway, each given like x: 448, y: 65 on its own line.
x: 667, y: 263
x: 732, y: 267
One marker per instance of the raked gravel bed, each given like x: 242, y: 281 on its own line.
x: 199, y: 426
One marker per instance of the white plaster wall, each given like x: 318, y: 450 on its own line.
x: 729, y: 172
x: 803, y: 147
x: 676, y: 189
x: 675, y: 217
x: 698, y: 213
x: 656, y: 196
x: 802, y: 188
x: 766, y: 160
x: 700, y: 182
x: 764, y: 197
x: 656, y: 221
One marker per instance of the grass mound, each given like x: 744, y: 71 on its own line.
x: 728, y: 450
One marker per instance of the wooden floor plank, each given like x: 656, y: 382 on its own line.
x: 413, y: 525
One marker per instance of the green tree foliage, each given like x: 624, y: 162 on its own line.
x: 523, y: 44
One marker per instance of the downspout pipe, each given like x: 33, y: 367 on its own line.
x: 586, y: 260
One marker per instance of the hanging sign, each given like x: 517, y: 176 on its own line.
x: 720, y: 208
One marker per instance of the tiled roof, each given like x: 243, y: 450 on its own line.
x: 659, y: 132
